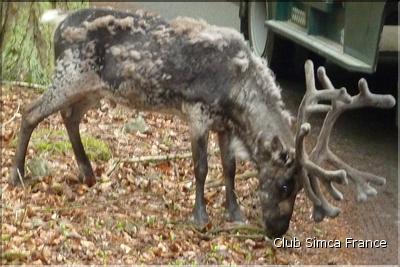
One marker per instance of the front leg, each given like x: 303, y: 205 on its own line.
x: 229, y: 168
x: 72, y: 117
x: 199, y: 153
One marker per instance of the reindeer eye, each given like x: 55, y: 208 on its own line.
x: 285, y: 188
x: 284, y: 156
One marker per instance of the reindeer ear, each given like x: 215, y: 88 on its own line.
x: 276, y: 144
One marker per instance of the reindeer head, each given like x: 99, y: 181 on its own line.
x: 293, y: 169
x: 278, y: 187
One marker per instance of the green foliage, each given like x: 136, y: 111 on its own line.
x: 52, y: 141
x: 5, y: 237
x: 16, y: 257
x: 27, y: 48
x: 39, y: 167
x: 96, y: 149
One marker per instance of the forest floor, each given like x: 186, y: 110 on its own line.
x: 137, y: 212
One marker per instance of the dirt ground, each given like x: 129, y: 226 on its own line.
x: 139, y: 212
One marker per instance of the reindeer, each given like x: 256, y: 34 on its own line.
x: 208, y: 76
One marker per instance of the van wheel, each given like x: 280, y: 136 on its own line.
x: 264, y: 42
x: 259, y: 35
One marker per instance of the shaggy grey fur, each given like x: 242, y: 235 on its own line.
x: 204, y: 73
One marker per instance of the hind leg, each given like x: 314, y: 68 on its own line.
x: 37, y: 111
x: 60, y: 95
x: 30, y: 120
x: 72, y: 117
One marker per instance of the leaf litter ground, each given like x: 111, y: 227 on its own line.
x: 138, y: 212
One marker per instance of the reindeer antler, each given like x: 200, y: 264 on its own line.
x: 309, y: 165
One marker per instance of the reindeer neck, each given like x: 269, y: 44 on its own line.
x: 260, y: 114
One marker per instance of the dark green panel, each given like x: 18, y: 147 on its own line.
x: 362, y: 29
x: 327, y: 24
x: 283, y: 10
x: 347, y: 33
x: 326, y: 6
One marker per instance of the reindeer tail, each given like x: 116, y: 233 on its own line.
x: 53, y: 16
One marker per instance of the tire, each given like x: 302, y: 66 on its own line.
x: 275, y: 49
x: 258, y: 33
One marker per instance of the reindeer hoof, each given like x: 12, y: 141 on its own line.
x: 200, y: 218
x: 236, y: 215
x: 14, y: 179
x: 90, y: 181
x: 318, y: 214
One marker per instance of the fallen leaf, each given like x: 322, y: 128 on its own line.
x: 126, y: 249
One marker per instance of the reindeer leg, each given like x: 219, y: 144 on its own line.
x: 72, y: 117
x: 49, y: 103
x: 199, y: 153
x: 229, y: 168
x: 61, y: 94
x: 27, y: 127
